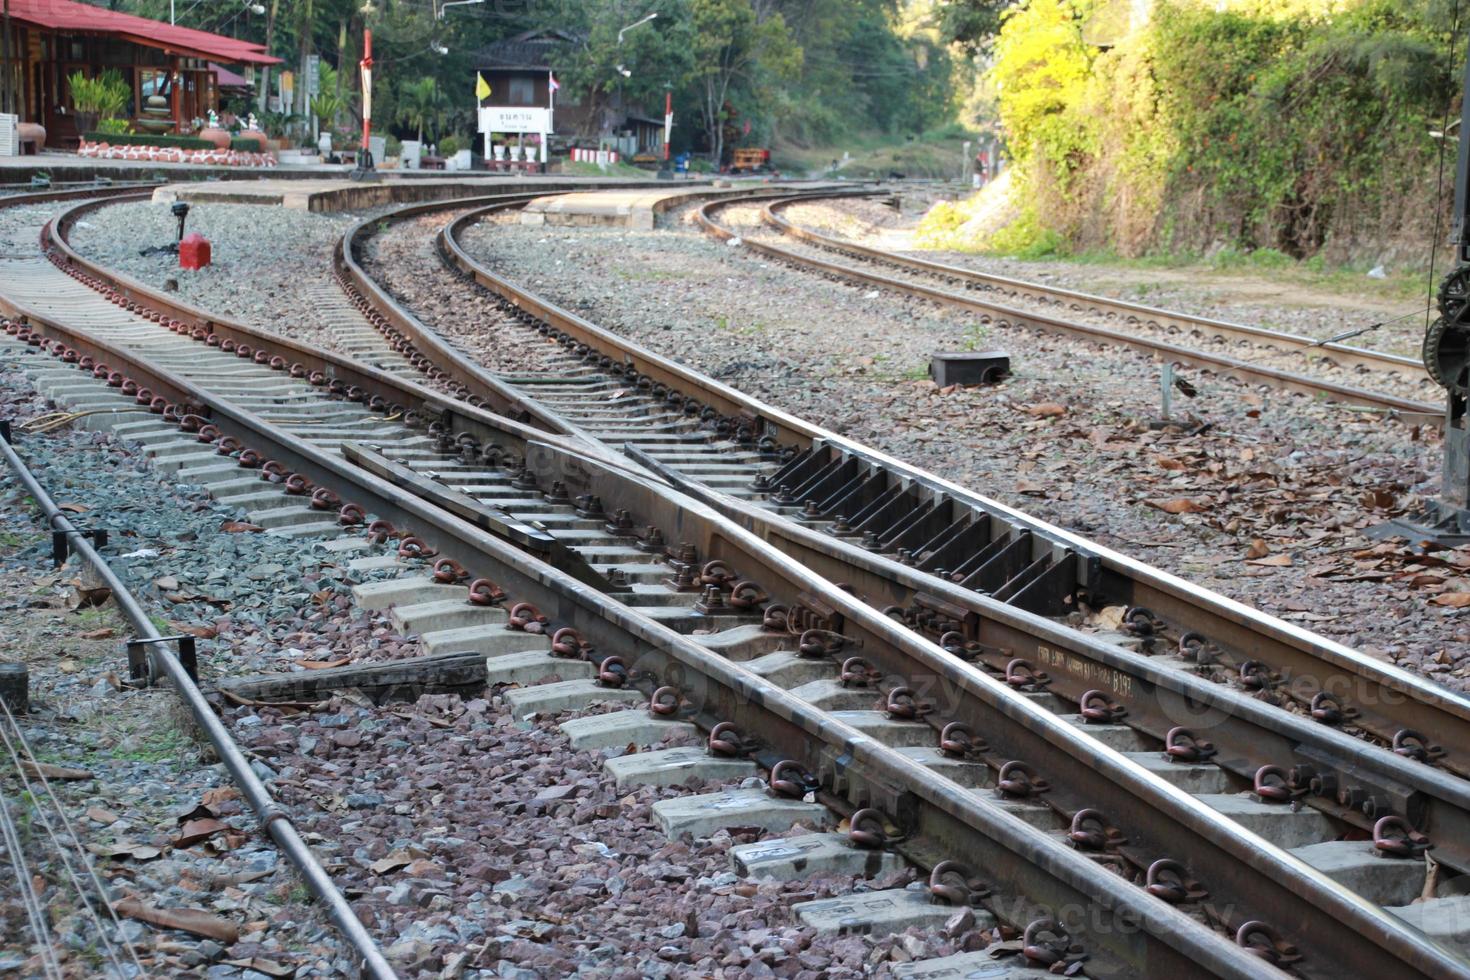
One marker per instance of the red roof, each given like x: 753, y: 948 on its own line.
x: 71, y: 17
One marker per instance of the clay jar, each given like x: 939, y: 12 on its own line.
x: 219, y: 137
x: 32, y: 131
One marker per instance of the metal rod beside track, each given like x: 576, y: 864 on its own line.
x: 272, y: 816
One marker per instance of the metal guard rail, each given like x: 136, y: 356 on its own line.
x: 275, y: 820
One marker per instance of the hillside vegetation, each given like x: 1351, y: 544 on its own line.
x: 1298, y: 126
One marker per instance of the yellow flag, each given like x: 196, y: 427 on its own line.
x: 482, y: 87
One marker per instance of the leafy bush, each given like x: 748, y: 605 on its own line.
x: 1265, y: 128
x: 940, y: 222
x: 1027, y: 238
x: 104, y: 96
x: 449, y: 146
x: 114, y: 127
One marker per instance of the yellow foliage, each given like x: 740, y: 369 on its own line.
x: 1040, y: 69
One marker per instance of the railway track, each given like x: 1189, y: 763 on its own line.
x: 656, y: 570
x: 1252, y: 355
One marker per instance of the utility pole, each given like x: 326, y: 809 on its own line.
x: 365, y: 169
x: 664, y: 173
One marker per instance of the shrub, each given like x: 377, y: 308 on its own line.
x: 1027, y: 238
x: 114, y: 127
x: 149, y: 139
x: 103, y: 96
x: 449, y: 146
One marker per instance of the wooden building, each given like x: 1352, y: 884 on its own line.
x: 52, y: 39
x: 519, y: 72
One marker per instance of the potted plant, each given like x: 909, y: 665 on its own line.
x: 104, y: 96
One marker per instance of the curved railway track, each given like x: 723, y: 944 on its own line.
x: 1337, y: 372
x: 648, y: 566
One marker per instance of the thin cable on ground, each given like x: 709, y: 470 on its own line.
x: 71, y: 833
x: 10, y: 835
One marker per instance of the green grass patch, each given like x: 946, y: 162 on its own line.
x: 585, y: 168
x: 937, y: 153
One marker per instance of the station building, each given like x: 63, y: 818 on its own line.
x: 51, y: 39
x: 519, y: 71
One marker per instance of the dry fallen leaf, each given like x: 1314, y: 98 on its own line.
x: 321, y: 664
x: 197, y: 830
x: 105, y: 633
x: 219, y: 794
x: 73, y: 508
x: 85, y: 596
x: 102, y: 815
x: 1179, y: 505
x: 240, y: 527
x: 1169, y: 463
x: 1047, y: 410
x: 1275, y: 561
x: 1455, y: 600
x: 1257, y: 549
x: 126, y: 849
x: 196, y: 921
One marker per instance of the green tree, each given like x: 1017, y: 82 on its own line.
x: 653, y: 55
x: 421, y: 105
x: 1040, y: 69
x: 733, y: 47
x: 971, y: 24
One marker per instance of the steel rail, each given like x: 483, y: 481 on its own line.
x: 1006, y: 316
x: 1304, y: 681
x: 1063, y: 639
x: 1346, y: 355
x: 1388, y: 698
x: 473, y: 415
x: 1248, y: 732
x: 75, y: 194
x: 1372, y: 780
x: 938, y: 660
x: 1088, y: 769
x: 276, y: 821
x: 1135, y: 934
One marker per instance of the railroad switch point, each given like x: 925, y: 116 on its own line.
x: 980, y: 368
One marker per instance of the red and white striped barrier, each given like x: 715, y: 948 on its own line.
x: 600, y: 157
x: 172, y: 154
